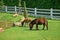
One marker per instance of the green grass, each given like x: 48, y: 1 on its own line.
x: 23, y: 33
x: 6, y: 19
x: 9, y: 17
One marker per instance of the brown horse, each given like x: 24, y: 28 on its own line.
x: 39, y: 21
x: 25, y: 20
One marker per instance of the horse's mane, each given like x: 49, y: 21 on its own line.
x: 33, y: 21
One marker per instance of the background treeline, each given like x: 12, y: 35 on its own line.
x: 35, y: 3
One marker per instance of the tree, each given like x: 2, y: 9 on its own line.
x: 25, y: 10
x: 2, y: 4
x: 19, y: 6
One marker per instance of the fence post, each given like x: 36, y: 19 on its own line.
x: 36, y: 12
x: 5, y: 8
x: 15, y: 9
x: 51, y: 13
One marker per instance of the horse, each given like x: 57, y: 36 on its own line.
x: 39, y: 21
x: 25, y: 20
x: 16, y: 24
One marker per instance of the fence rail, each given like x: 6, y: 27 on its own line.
x: 48, y: 13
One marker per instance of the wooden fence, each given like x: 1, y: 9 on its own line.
x: 48, y: 13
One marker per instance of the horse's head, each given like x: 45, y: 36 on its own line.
x: 32, y: 23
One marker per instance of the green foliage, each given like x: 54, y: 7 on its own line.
x: 11, y: 2
x: 43, y: 3
x: 2, y: 4
x: 34, y: 3
x: 25, y: 10
x: 19, y: 3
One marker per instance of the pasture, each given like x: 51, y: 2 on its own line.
x: 23, y: 33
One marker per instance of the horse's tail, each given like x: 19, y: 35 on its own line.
x: 46, y: 23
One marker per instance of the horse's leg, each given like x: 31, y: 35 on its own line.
x: 46, y: 26
x: 46, y: 23
x: 43, y: 26
x: 22, y: 23
x: 37, y: 27
x: 27, y: 24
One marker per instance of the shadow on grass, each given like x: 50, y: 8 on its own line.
x: 35, y: 30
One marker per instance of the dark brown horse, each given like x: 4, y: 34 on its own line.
x: 25, y: 20
x: 39, y: 21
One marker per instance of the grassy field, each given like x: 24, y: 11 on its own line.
x: 23, y: 33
